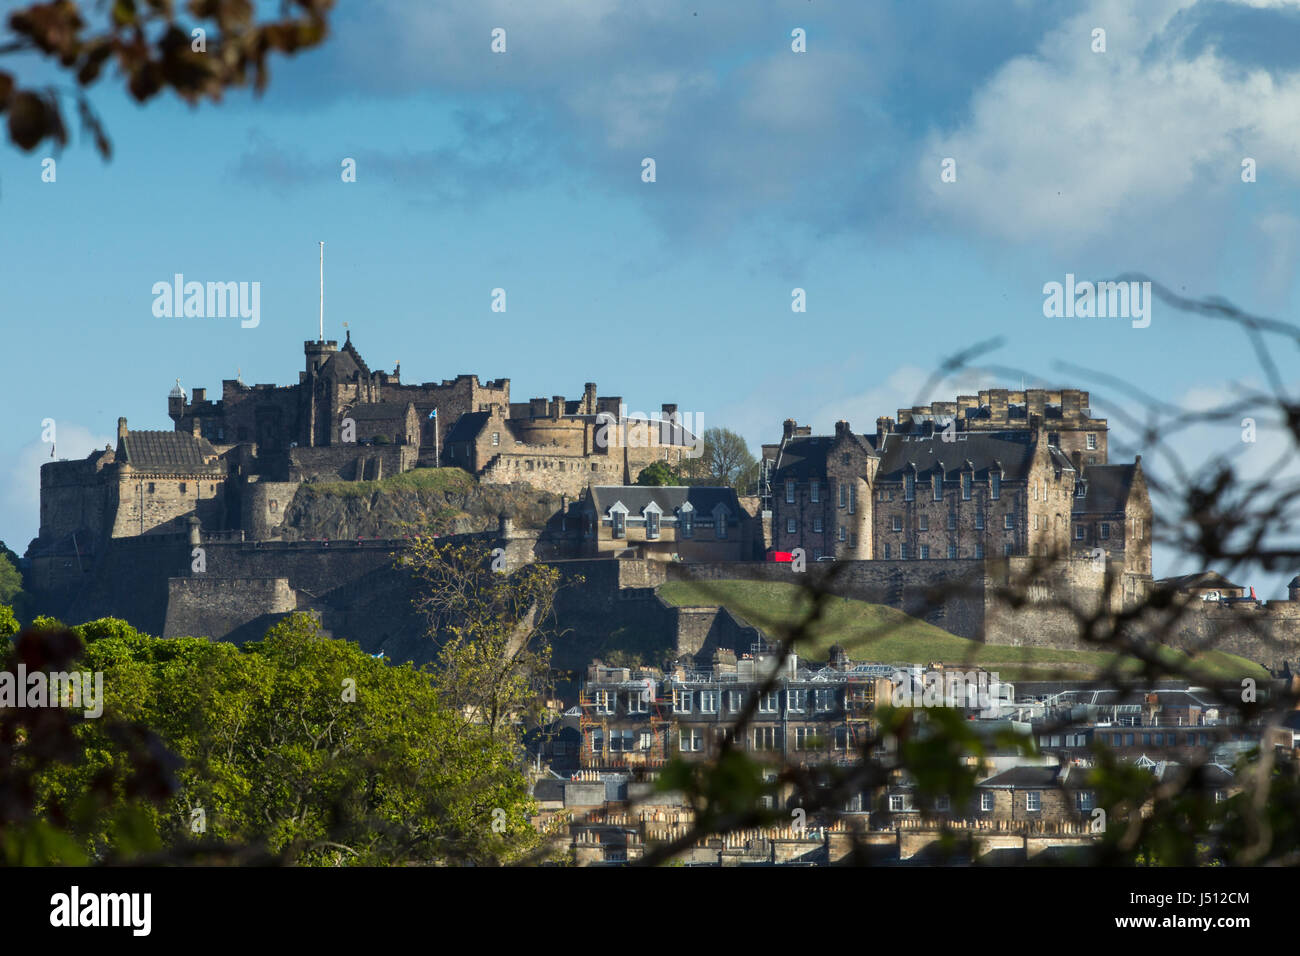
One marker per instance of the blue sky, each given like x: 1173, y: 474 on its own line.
x: 775, y: 170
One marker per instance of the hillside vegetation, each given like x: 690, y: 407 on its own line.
x: 873, y: 632
x: 440, y: 500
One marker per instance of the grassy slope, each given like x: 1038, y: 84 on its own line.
x: 875, y: 632
x: 420, y: 479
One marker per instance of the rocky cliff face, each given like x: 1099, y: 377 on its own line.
x: 441, y: 500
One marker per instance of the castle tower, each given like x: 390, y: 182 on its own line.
x: 176, y: 402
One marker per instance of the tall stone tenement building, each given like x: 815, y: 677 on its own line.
x: 1004, y: 474
x: 235, y: 462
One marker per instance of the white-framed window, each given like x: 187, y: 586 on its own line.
x: 1035, y: 521
x: 1033, y: 800
x: 986, y: 801
x: 1103, y: 530
x: 735, y: 701
x: 922, y: 522
x: 1009, y: 522
x: 900, y: 803
x: 496, y: 438
x: 841, y: 532
x: 1092, y: 441
x: 817, y: 524
x: 646, y: 741
x: 796, y: 700
x: 652, y: 524
x: 682, y: 701
x: 770, y: 703
x: 898, y: 523
x: 767, y: 738
x: 840, y: 738
x: 789, y: 492
x: 597, y: 741
x: 708, y: 702
x: 604, y: 702
x: 804, y: 738
x: 622, y: 741
x: 814, y: 490
x: 791, y: 526
x: 824, y: 699
x: 1078, y: 532
x: 1084, y: 799
x: 638, y: 701
x: 690, y: 739
x: 925, y: 552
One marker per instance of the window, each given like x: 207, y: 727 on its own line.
x: 943, y: 803
x: 597, y: 741
x: 805, y: 738
x: 841, y: 738
x: 770, y: 702
x: 979, y: 550
x: 690, y: 739
x: 900, y: 803
x: 151, y: 490
x: 979, y: 521
x: 995, y: 486
x: 1092, y: 442
x: 791, y: 526
x: 789, y: 492
x: 1035, y: 522
x: 708, y: 702
x: 1007, y: 550
x: 735, y: 701
x: 817, y: 524
x: 845, y: 459
x: 1081, y: 490
x: 965, y: 486
x: 182, y: 487
x: 622, y: 741
x: 767, y: 738
x: 682, y: 700
x: 619, y: 528
x: 853, y: 498
x: 824, y: 699
x: 814, y: 490
x: 909, y: 487
x: 853, y: 538
x: 1033, y: 800
x: 952, y: 552
x: 638, y: 701
x: 841, y: 535
x: 952, y: 521
x: 902, y: 552
x: 604, y: 702
x: 898, y: 523
x: 986, y: 802
x: 1078, y: 532
x: 1103, y: 531
x: 1009, y: 522
x: 844, y: 494
x: 923, y: 523
x: 687, y: 523
x: 796, y: 700
x: 887, y: 554
x: 652, y: 524
x: 496, y: 438
x: 925, y: 552
x: 937, y: 483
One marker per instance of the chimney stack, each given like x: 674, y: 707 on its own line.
x: 788, y: 430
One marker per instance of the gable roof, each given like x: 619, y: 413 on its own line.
x: 1020, y: 777
x: 467, y: 427
x: 176, y: 452
x: 1201, y: 579
x: 669, y: 498
x: 1106, y: 489
x: 805, y: 456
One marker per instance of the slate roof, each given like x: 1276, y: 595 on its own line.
x: 1023, y: 777
x: 669, y: 498
x: 467, y: 427
x: 804, y: 456
x: 549, y: 789
x: 173, y: 452
x: 377, y: 411
x: 1201, y: 579
x: 1013, y: 451
x: 1107, y: 489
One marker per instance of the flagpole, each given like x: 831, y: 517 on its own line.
x: 321, y: 338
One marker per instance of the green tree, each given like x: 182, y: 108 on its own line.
x: 494, y: 656
x: 726, y: 461
x: 658, y: 473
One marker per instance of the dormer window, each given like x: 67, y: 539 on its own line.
x: 618, y: 525
x: 652, y: 522
x: 1081, y: 490
x: 686, y: 521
